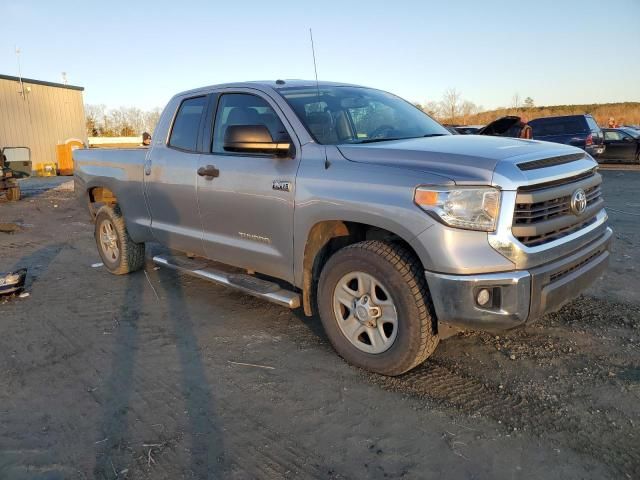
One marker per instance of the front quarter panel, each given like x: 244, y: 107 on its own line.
x: 333, y: 188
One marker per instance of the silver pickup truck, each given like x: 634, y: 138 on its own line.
x: 351, y: 203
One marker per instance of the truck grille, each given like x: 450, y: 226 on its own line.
x: 543, y: 212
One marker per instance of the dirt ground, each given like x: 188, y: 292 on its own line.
x: 146, y: 376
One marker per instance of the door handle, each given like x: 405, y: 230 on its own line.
x: 147, y: 167
x: 209, y: 172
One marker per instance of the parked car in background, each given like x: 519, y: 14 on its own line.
x: 468, y: 129
x: 576, y: 130
x: 502, y: 127
x: 621, y: 144
x: 633, y: 127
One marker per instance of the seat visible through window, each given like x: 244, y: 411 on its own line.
x: 245, y: 109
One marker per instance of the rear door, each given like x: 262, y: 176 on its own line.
x: 619, y: 146
x: 171, y: 179
x: 247, y: 205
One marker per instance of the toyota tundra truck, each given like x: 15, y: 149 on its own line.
x: 350, y: 203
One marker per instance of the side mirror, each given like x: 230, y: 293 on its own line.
x: 254, y: 139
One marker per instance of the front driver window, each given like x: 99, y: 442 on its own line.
x: 245, y: 109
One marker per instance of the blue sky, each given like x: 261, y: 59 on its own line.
x: 139, y: 54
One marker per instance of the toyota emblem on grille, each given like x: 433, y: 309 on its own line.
x: 578, y: 202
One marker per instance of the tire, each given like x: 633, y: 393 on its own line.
x: 13, y: 194
x: 401, y: 289
x: 111, y: 231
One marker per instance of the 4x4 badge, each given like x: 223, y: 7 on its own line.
x: 282, y: 185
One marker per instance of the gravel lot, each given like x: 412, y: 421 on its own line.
x: 145, y: 376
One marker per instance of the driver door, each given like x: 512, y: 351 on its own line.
x: 619, y: 146
x: 247, y: 201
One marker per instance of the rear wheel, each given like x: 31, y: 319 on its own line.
x: 13, y: 194
x: 375, y: 307
x: 119, y: 253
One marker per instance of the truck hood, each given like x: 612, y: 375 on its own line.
x: 465, y: 159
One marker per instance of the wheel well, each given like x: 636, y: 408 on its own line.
x: 326, y: 238
x: 99, y: 196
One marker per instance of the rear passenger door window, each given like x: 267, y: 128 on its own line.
x: 186, y: 126
x: 612, y: 136
x: 245, y: 109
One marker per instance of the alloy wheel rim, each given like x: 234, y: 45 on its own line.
x: 365, y: 312
x: 109, y: 241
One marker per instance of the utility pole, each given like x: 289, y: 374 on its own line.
x: 20, y: 73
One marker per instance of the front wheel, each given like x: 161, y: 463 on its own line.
x: 376, y: 309
x: 119, y: 253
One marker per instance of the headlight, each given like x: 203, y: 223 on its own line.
x: 473, y: 208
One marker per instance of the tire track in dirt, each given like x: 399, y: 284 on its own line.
x: 591, y: 435
x: 252, y: 448
x: 604, y: 434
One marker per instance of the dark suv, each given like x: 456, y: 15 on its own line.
x: 577, y: 130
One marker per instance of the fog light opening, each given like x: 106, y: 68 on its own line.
x: 484, y: 297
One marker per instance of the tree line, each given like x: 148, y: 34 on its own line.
x: 453, y: 109
x: 120, y: 122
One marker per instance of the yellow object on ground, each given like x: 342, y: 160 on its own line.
x: 64, y: 154
x: 47, y: 170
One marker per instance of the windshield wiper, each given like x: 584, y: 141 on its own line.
x: 373, y: 140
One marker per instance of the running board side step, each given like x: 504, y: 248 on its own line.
x: 240, y: 281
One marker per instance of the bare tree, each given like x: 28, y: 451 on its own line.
x: 451, y: 104
x: 95, y: 119
x: 467, y: 109
x: 432, y: 108
x: 516, y: 102
x: 124, y: 121
x: 151, y: 119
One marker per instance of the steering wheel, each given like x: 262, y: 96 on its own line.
x: 378, y: 131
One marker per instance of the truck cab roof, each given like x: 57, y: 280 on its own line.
x: 270, y: 84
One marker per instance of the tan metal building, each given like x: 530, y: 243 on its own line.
x: 40, y: 116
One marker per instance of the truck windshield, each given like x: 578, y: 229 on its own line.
x: 339, y: 115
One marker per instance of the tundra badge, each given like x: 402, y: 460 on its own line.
x: 282, y: 185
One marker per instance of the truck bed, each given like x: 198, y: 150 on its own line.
x: 120, y: 170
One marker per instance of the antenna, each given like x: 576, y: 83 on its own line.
x: 19, y: 72
x: 327, y: 163
x: 315, y: 68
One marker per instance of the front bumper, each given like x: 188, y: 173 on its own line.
x: 520, y: 296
